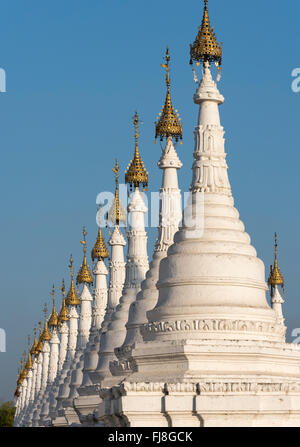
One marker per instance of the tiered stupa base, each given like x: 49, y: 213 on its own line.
x: 207, y: 384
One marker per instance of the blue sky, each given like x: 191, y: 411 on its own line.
x: 76, y: 72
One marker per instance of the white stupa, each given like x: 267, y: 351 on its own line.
x: 37, y: 354
x: 74, y: 378
x: 26, y: 387
x: 105, y: 303
x: 169, y: 127
x: 53, y: 364
x: 136, y: 267
x: 42, y: 375
x: 63, y: 377
x: 63, y: 330
x: 213, y: 350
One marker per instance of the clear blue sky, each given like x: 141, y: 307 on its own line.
x: 76, y: 72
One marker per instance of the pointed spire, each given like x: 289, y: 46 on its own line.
x: 40, y: 342
x: 21, y: 371
x: 46, y: 336
x: 206, y: 48
x: 19, y: 380
x: 276, y: 277
x: 72, y: 298
x: 33, y: 350
x: 53, y: 320
x: 136, y: 173
x: 99, y: 250
x: 168, y: 124
x: 84, y: 275
x: 29, y: 359
x: 24, y: 370
x: 64, y: 313
x: 116, y: 213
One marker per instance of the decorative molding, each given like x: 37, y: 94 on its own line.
x: 248, y: 387
x: 120, y: 367
x: 123, y: 366
x: 215, y: 325
x: 200, y: 388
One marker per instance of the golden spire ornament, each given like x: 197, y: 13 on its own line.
x: 64, y: 313
x: 19, y: 380
x: 206, y: 48
x: 40, y: 342
x: 168, y: 122
x: 99, y: 250
x: 29, y: 359
x: 136, y: 174
x: 72, y: 298
x: 21, y: 370
x: 53, y: 320
x: 46, y: 335
x: 17, y: 392
x: 33, y: 350
x: 24, y: 370
x: 276, y: 277
x: 116, y: 213
x: 84, y: 276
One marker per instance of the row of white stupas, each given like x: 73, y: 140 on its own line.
x: 189, y: 340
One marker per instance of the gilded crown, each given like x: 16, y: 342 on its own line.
x: 168, y: 124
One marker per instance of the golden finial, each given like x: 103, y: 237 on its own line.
x: 23, y: 367
x: 168, y: 124
x: 84, y: 274
x: 99, y: 250
x: 40, y: 342
x: 136, y: 173
x: 206, y: 48
x: 46, y: 336
x: 116, y: 214
x: 33, y: 350
x: 24, y: 370
x: 276, y: 277
x: 29, y: 359
x: 72, y: 298
x: 64, y: 313
x: 53, y: 320
x: 20, y: 380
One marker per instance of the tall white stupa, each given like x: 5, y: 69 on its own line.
x: 213, y: 351
x: 105, y: 303
x: 168, y: 126
x: 136, y: 266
